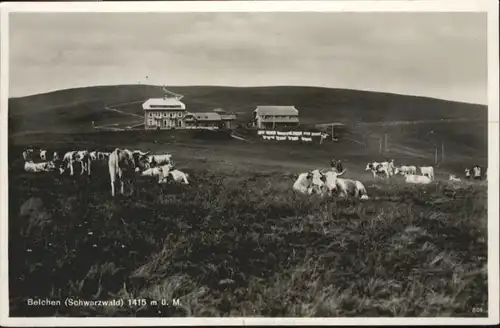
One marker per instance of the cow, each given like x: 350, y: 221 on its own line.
x: 101, y: 155
x: 309, y: 182
x: 67, y: 162
x: 123, y: 164
x: 476, y: 172
x: 454, y: 178
x: 93, y: 155
x: 39, y: 167
x: 330, y: 179
x: 98, y: 155
x: 379, y: 168
x: 427, y: 171
x: 43, y: 154
x: 404, y: 169
x: 417, y: 179
x: 157, y: 160
x: 78, y: 156
x: 83, y: 157
x: 175, y: 176
x: 28, y: 154
x: 345, y: 187
x: 56, y: 157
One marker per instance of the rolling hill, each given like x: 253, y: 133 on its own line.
x: 364, y: 113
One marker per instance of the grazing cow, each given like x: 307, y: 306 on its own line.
x: 43, y: 154
x: 93, y: 155
x: 454, y: 178
x: 98, y: 155
x: 175, y: 176
x: 122, y: 164
x: 101, y: 155
x: 39, y: 167
x: 404, y: 169
x: 157, y: 160
x: 427, y: 171
x: 417, y: 179
x: 78, y: 156
x: 67, y: 162
x: 28, y: 154
x: 56, y: 157
x: 379, y: 168
x: 83, y: 157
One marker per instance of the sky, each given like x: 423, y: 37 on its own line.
x: 439, y: 55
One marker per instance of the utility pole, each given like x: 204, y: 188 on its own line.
x: 385, y: 142
x: 435, y: 156
x: 380, y: 146
x: 332, y: 133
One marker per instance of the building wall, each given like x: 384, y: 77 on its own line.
x: 261, y: 125
x: 163, y: 119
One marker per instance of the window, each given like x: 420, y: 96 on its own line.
x: 164, y: 114
x: 166, y: 106
x: 150, y: 114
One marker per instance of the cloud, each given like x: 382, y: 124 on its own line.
x: 430, y: 54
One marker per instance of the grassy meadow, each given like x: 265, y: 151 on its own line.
x: 238, y: 241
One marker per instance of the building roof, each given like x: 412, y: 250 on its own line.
x: 208, y: 116
x: 277, y: 110
x: 163, y: 103
x: 227, y: 117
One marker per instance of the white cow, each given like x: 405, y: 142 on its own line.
x: 454, y: 178
x: 43, y: 154
x: 406, y: 169
x: 98, y: 155
x: 417, y: 179
x: 158, y: 160
x: 345, y: 187
x: 122, y: 164
x: 427, y: 171
x: 39, y: 167
x: 378, y: 168
x: 152, y: 172
x: 309, y: 182
x: 176, y: 176
x: 67, y: 162
x: 476, y: 171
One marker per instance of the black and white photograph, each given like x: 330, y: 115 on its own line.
x: 262, y: 160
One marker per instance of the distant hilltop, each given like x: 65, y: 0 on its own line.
x: 74, y: 109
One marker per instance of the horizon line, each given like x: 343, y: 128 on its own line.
x: 245, y: 87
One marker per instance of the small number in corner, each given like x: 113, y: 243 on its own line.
x: 477, y: 310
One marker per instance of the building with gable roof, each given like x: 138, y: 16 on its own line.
x: 163, y: 113
x: 270, y: 117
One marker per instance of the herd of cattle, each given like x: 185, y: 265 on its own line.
x: 328, y: 182
x: 125, y: 164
